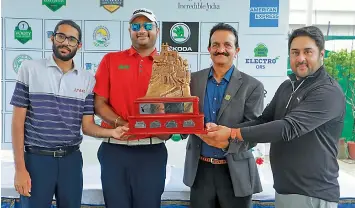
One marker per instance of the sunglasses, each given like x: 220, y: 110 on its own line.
x: 137, y: 26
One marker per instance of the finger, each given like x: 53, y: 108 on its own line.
x: 17, y: 188
x: 21, y: 190
x: 26, y: 190
x: 124, y: 128
x: 213, y: 128
x: 121, y: 138
x: 29, y: 183
x: 124, y: 137
x: 210, y: 125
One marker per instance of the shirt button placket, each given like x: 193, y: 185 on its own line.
x: 61, y: 85
x: 141, y: 66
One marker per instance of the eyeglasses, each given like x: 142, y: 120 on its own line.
x: 61, y: 37
x: 137, y: 26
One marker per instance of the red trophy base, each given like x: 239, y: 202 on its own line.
x: 175, y: 115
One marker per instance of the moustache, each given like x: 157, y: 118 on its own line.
x: 59, y: 47
x: 301, y: 63
x: 224, y: 53
x: 142, y: 34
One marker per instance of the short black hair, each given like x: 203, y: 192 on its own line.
x: 227, y: 27
x: 311, y: 31
x: 68, y: 22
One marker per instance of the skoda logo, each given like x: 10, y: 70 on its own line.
x: 180, y: 33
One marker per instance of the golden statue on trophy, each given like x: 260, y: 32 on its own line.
x: 170, y: 75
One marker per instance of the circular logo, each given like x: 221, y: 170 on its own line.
x: 18, y: 61
x: 23, y: 25
x: 101, y: 36
x: 180, y: 33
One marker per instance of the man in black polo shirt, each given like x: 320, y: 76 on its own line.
x: 303, y: 122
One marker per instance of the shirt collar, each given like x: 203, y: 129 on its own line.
x: 51, y: 62
x: 132, y: 51
x: 227, y: 76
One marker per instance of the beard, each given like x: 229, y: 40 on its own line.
x: 309, y: 70
x: 143, y: 45
x: 67, y: 57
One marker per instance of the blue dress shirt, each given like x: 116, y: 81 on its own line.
x: 212, y: 103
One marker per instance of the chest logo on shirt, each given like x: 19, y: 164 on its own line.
x: 227, y: 97
x: 123, y: 67
x: 79, y: 90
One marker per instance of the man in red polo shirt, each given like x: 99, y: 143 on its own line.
x: 132, y: 167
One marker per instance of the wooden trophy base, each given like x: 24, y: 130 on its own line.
x: 169, y: 115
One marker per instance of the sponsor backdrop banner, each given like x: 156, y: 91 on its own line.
x: 185, y: 25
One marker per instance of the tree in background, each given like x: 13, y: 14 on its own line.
x: 341, y: 66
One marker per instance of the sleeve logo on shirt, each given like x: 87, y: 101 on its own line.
x: 123, y: 67
x: 79, y: 90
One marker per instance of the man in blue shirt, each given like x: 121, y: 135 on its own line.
x: 223, y: 174
x: 213, y: 100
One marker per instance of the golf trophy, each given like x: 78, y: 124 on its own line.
x: 167, y: 107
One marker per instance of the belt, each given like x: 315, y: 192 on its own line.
x: 145, y: 141
x: 213, y: 160
x: 54, y: 152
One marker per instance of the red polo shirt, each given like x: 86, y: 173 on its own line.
x: 122, y: 77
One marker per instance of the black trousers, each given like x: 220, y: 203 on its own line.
x: 59, y: 176
x: 213, y: 189
x: 132, y: 176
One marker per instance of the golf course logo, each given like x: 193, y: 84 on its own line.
x: 101, y: 36
x: 23, y: 32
